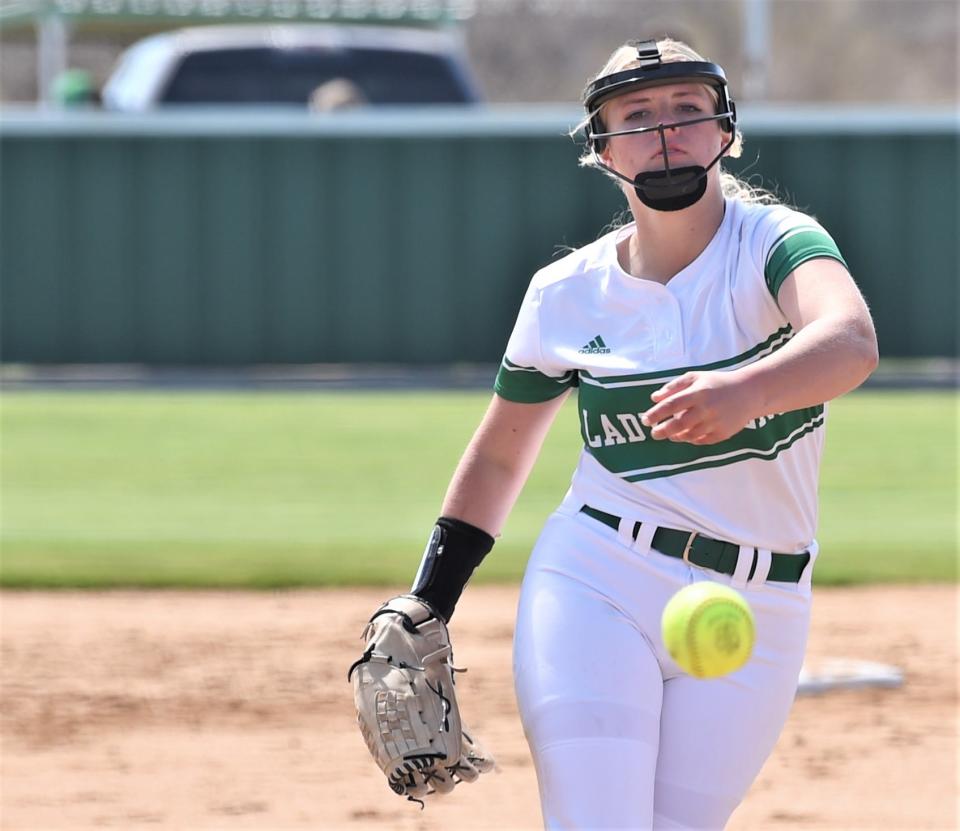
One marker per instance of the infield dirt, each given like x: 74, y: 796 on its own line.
x: 201, y: 710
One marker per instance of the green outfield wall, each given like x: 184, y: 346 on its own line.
x: 225, y: 239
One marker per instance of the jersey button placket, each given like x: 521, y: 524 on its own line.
x: 669, y: 330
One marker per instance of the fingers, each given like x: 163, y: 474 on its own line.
x: 476, y: 754
x: 695, y: 432
x: 678, y: 427
x: 420, y: 784
x: 409, y: 784
x: 667, y: 418
x: 674, y: 386
x: 437, y: 780
x: 698, y: 407
x: 671, y: 401
x: 440, y: 779
x: 693, y: 426
x: 466, y: 771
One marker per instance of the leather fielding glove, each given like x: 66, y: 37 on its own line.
x: 403, y: 687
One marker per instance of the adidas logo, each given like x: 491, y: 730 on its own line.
x: 595, y: 347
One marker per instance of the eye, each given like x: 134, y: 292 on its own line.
x: 638, y: 114
x: 689, y: 108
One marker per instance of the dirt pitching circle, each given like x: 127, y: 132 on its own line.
x: 202, y: 710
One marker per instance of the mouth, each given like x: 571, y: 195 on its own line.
x: 671, y: 151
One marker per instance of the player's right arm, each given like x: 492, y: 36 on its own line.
x: 413, y: 730
x: 528, y: 392
x: 484, y: 487
x: 498, y: 460
x: 492, y: 471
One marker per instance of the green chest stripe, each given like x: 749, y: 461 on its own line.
x: 733, y: 457
x: 613, y: 435
x: 771, y: 344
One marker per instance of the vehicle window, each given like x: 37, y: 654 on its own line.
x: 288, y: 76
x: 405, y: 77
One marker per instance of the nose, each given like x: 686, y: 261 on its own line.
x: 665, y: 117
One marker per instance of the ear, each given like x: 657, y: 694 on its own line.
x: 605, y: 154
x: 726, y: 140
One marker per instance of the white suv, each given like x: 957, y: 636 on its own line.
x: 289, y: 64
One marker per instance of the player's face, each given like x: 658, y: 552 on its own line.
x: 694, y: 144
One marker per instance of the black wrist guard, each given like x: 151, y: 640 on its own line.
x: 454, y: 550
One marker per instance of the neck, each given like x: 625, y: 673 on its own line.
x: 666, y: 242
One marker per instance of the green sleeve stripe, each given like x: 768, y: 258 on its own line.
x: 527, y: 385
x: 795, y: 248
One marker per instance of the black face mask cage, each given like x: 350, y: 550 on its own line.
x: 669, y: 189
x: 653, y: 72
x: 596, y: 138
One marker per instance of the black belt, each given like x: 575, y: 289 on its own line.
x: 705, y: 552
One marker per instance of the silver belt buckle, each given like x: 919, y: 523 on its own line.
x: 686, y: 548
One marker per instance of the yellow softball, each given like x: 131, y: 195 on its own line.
x: 708, y: 629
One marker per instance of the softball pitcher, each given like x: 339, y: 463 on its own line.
x: 703, y: 340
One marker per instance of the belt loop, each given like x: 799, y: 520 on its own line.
x: 744, y: 562
x: 644, y: 541
x: 625, y: 532
x: 807, y: 577
x: 764, y: 558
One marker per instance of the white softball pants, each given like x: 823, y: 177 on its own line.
x: 620, y: 736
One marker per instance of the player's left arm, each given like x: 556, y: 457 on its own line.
x: 833, y: 350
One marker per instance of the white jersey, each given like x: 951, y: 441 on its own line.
x: 585, y: 322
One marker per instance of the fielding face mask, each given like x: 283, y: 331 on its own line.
x: 672, y: 188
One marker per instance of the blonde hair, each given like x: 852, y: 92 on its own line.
x: 674, y: 51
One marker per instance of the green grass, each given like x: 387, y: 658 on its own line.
x: 888, y: 492
x: 268, y: 489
